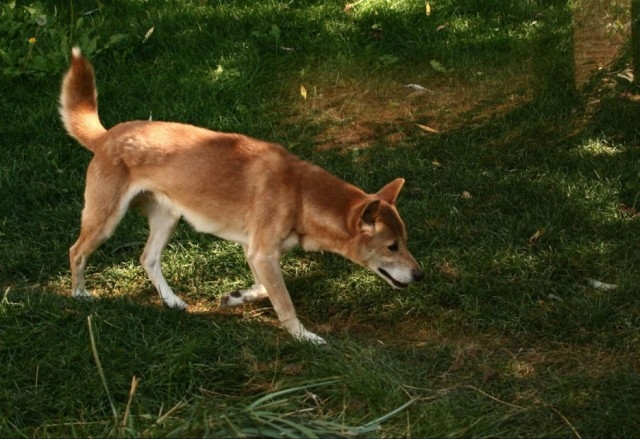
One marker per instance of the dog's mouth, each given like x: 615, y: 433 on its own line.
x: 394, y: 282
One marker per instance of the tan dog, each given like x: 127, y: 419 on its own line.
x: 237, y: 188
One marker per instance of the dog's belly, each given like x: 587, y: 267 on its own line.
x: 224, y: 230
x: 227, y: 224
x: 230, y: 232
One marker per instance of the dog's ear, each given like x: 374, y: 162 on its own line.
x: 390, y: 192
x: 369, y: 215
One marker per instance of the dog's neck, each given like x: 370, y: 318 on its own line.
x: 326, y: 220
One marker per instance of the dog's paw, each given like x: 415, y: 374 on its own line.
x: 81, y: 293
x: 175, y: 303
x: 299, y: 332
x: 240, y: 297
x: 310, y: 337
x: 232, y: 299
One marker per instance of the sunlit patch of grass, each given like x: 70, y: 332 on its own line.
x: 599, y: 147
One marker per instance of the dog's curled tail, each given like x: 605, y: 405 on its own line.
x: 79, y: 102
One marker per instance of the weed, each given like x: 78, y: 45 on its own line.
x: 36, y: 40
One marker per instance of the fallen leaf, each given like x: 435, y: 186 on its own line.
x: 600, y: 286
x: 148, y: 34
x: 441, y: 27
x: 428, y: 9
x: 416, y: 87
x: 303, y: 91
x: 436, y: 163
x: 466, y: 195
x: 536, y: 236
x: 427, y: 129
x: 629, y: 210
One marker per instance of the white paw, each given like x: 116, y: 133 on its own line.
x: 81, y: 293
x: 240, y: 297
x: 298, y: 331
x: 310, y: 337
x: 175, y: 302
x: 232, y: 299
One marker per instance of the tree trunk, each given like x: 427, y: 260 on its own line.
x: 635, y: 39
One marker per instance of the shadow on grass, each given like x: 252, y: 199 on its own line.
x: 169, y: 351
x: 202, y: 369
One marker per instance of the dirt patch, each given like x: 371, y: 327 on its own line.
x: 354, y: 113
x: 599, y: 32
x: 357, y: 115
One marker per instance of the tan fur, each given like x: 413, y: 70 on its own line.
x: 241, y: 189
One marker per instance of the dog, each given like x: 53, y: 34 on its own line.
x: 232, y: 186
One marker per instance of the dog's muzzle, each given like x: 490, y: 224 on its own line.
x: 416, y: 276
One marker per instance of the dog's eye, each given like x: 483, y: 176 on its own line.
x: 393, y: 247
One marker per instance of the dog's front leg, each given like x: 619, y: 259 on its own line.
x: 266, y: 269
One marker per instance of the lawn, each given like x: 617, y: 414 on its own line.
x: 515, y: 126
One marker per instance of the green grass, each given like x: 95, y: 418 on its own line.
x: 503, y: 338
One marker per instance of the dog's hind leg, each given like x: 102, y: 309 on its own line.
x: 255, y: 293
x: 92, y: 235
x: 104, y: 207
x: 162, y: 223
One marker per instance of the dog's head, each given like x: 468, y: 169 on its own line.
x: 380, y: 243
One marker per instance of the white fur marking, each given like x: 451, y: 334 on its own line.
x: 253, y: 294
x: 298, y: 331
x: 80, y: 293
x: 162, y: 222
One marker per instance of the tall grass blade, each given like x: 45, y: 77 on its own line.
x: 376, y: 423
x: 96, y: 358
x: 134, y: 386
x: 274, y: 395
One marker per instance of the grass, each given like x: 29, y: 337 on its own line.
x: 511, y: 206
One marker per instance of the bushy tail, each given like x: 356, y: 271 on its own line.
x: 79, y: 102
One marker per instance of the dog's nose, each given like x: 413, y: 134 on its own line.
x: 417, y: 275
